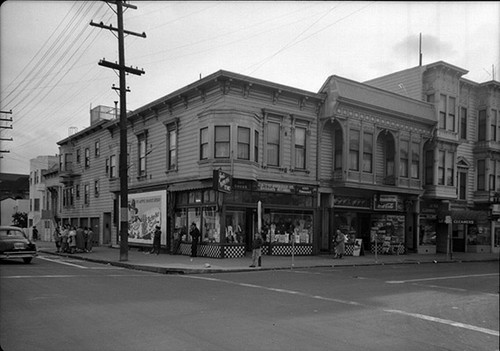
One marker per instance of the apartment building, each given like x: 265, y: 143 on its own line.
x: 41, y: 213
x: 462, y: 159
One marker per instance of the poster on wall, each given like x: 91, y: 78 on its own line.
x: 146, y: 211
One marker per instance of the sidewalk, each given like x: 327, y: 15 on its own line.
x: 178, y: 264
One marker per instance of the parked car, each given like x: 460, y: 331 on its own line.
x: 15, y: 244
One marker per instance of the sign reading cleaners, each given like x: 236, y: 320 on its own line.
x: 222, y: 181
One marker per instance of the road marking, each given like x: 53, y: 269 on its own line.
x: 284, y: 291
x: 76, y: 276
x: 62, y: 262
x: 354, y: 303
x: 446, y: 321
x: 439, y: 278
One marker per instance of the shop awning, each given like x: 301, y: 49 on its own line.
x: 463, y: 216
x: 192, y: 185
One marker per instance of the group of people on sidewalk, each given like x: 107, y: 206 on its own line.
x: 71, y: 239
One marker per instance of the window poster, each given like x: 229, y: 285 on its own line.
x: 146, y: 211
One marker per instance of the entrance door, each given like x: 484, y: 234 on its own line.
x: 94, y: 224
x: 106, y: 233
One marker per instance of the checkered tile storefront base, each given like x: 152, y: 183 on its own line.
x: 234, y: 251
x: 349, y: 250
x: 286, y: 250
x: 394, y: 249
x: 215, y: 250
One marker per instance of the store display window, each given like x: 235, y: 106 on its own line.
x: 388, y: 228
x: 235, y: 227
x: 478, y: 235
x: 427, y: 232
x: 210, y: 231
x: 346, y: 222
x: 180, y: 223
x: 279, y: 227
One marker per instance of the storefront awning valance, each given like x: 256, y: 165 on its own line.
x: 192, y: 185
x: 463, y: 216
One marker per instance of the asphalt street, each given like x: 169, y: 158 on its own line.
x: 59, y: 303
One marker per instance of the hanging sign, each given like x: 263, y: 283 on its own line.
x: 222, y: 181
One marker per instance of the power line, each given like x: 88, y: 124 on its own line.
x: 41, y: 59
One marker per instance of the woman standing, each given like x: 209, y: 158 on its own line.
x: 339, y: 244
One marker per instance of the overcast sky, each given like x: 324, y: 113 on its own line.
x: 49, y: 53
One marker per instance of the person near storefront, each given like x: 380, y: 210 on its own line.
x: 195, y: 235
x: 257, y: 251
x: 339, y: 243
x: 156, y: 240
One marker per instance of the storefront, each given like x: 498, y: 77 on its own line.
x: 228, y: 219
x: 377, y: 222
x: 446, y: 230
x: 427, y: 231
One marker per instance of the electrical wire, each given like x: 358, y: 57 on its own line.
x: 36, y: 68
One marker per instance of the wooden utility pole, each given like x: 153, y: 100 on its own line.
x: 123, y: 117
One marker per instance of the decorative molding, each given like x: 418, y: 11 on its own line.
x: 246, y: 90
x: 302, y: 102
x: 184, y: 99
x: 225, y: 86
x: 276, y: 95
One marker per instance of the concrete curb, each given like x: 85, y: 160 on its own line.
x: 185, y: 270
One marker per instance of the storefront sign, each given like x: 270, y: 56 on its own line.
x: 351, y: 201
x: 239, y: 184
x: 304, y: 190
x: 463, y: 221
x: 222, y: 181
x: 276, y: 187
x: 386, y: 202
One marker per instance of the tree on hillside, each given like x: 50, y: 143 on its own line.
x: 20, y: 219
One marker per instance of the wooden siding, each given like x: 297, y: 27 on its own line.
x: 326, y: 153
x: 407, y: 83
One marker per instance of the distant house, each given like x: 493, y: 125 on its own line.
x: 14, y: 196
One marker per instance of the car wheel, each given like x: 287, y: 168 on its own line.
x: 27, y: 259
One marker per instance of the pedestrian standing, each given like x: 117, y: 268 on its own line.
x: 195, y: 236
x: 156, y: 240
x: 80, y: 239
x: 64, y: 239
x: 339, y: 244
x: 177, y: 241
x: 57, y: 239
x: 257, y: 250
x: 72, y: 240
x: 90, y: 240
x: 35, y: 233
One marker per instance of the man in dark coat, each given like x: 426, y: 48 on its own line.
x: 195, y: 235
x: 156, y: 240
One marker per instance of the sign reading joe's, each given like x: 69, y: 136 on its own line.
x: 222, y: 181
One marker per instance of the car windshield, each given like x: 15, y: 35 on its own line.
x: 12, y: 234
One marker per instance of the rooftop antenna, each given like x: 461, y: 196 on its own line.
x: 420, y: 50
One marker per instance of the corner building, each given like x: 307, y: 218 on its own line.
x: 260, y: 134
